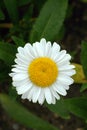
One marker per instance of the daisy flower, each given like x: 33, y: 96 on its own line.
x: 42, y: 72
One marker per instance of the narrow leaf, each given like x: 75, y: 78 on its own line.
x: 50, y: 20
x: 22, y: 115
x: 11, y: 6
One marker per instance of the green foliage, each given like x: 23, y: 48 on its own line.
x: 3, y: 72
x: 83, y: 87
x: 50, y: 20
x: 23, y: 2
x: 78, y: 106
x: 12, y: 93
x: 84, y: 57
x: 2, y: 16
x: 7, y: 53
x: 18, y: 41
x: 60, y: 108
x: 11, y: 6
x: 22, y: 115
x: 21, y: 23
x: 28, y: 14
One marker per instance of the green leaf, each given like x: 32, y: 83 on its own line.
x: 61, y: 33
x: 28, y: 14
x: 83, y: 87
x: 60, y: 108
x: 18, y: 41
x: 84, y: 57
x: 22, y: 115
x: 38, y: 5
x: 50, y: 20
x: 11, y: 6
x: 23, y: 2
x: 77, y: 106
x: 2, y: 16
x: 13, y: 93
x: 7, y: 53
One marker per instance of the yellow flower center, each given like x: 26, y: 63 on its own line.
x: 43, y: 71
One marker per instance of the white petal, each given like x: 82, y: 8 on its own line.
x: 22, y: 67
x: 22, y: 58
x: 66, y: 87
x: 22, y: 53
x: 43, y: 42
x: 20, y: 76
x: 11, y: 74
x: 48, y: 49
x: 31, y: 50
x: 29, y: 53
x: 19, y: 70
x: 38, y: 49
x: 68, y: 72
x: 65, y: 59
x: 36, y: 94
x: 60, y: 55
x: 60, y: 90
x: 28, y: 50
x: 48, y: 95
x: 60, y: 65
x: 54, y: 93
x: 56, y: 47
x: 23, y: 62
x: 66, y: 67
x: 41, y: 97
x: 21, y: 50
x: 22, y: 89
x: 25, y: 95
x: 65, y: 79
x: 55, y: 50
x: 30, y: 94
x: 53, y: 100
x: 20, y: 82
